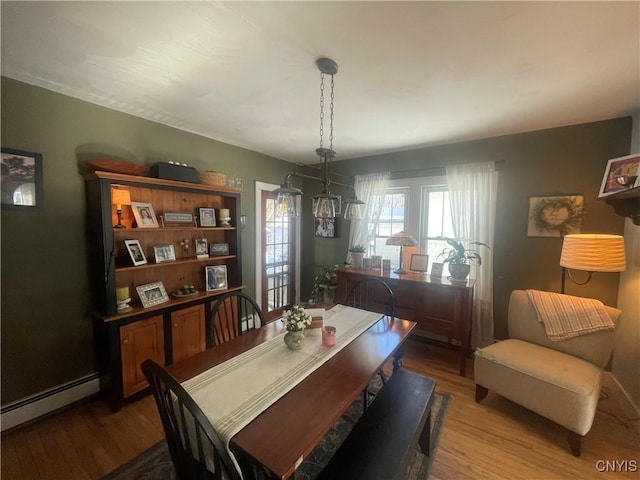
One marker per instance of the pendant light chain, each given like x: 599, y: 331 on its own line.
x: 321, y: 107
x: 331, y: 118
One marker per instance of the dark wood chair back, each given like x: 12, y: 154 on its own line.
x: 228, y: 315
x: 197, y: 451
x: 372, y: 294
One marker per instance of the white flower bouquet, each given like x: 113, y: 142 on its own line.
x: 296, y: 319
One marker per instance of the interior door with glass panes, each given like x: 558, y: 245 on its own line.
x: 278, y: 259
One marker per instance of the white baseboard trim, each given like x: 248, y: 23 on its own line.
x: 26, y: 409
x: 622, y: 399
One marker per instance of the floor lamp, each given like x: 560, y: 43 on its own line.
x: 591, y: 252
x: 401, y: 239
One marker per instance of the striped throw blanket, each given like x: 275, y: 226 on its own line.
x: 565, y: 316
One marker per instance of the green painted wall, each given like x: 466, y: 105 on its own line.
x: 567, y: 160
x: 46, y: 327
x: 47, y: 336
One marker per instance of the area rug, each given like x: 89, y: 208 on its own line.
x: 155, y: 462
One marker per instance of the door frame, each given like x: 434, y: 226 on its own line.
x: 269, y: 187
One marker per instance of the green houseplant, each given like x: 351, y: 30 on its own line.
x: 324, y: 284
x: 357, y: 254
x: 458, y: 257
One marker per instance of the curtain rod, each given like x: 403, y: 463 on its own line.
x: 428, y: 171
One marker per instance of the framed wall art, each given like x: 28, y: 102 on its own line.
x: 325, y: 227
x: 135, y: 252
x: 144, y: 215
x: 552, y: 216
x: 22, y: 179
x: 216, y: 277
x: 621, y: 174
x: 152, y: 294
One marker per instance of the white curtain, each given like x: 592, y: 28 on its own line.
x: 366, y: 188
x: 472, y: 190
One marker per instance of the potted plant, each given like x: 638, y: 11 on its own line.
x: 357, y: 254
x: 458, y: 257
x: 324, y: 285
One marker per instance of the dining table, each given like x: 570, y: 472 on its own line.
x: 277, y: 440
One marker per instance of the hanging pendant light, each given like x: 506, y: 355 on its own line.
x: 324, y: 203
x: 353, y: 210
x: 286, y: 203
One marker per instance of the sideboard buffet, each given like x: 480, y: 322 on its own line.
x: 174, y: 327
x: 439, y: 307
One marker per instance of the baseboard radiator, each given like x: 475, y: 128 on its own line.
x: 34, y: 406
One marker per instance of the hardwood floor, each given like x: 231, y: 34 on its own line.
x: 496, y: 439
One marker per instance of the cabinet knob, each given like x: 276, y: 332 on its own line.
x: 175, y: 325
x: 126, y: 340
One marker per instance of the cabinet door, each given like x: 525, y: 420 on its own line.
x: 188, y: 332
x: 139, y: 341
x: 441, y: 312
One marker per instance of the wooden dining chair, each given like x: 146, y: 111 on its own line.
x: 374, y: 295
x: 230, y: 314
x: 197, y: 452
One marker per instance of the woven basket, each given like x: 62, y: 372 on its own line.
x: 213, y: 178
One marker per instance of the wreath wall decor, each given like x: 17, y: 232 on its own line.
x: 551, y: 216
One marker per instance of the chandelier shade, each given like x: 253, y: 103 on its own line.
x: 286, y: 204
x: 353, y: 210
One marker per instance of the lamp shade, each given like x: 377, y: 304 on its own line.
x: 402, y: 239
x: 593, y: 252
x: 120, y: 197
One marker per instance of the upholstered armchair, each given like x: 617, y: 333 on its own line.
x: 559, y: 380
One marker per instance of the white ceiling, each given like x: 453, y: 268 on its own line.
x: 411, y: 73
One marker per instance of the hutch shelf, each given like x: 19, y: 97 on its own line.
x: 626, y: 203
x: 176, y: 328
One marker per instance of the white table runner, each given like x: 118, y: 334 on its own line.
x: 233, y: 393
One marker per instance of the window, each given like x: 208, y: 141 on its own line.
x: 392, y: 220
x: 436, y: 221
x: 419, y: 206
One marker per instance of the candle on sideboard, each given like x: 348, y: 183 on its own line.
x: 122, y: 293
x: 224, y: 213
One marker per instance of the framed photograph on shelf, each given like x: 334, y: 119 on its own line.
x: 325, y: 227
x: 21, y: 179
x: 152, y: 294
x: 436, y: 270
x: 135, y: 252
x: 207, y: 217
x: 419, y: 263
x: 218, y: 249
x: 621, y: 174
x: 164, y: 253
x: 216, y: 277
x: 202, y: 250
x: 144, y: 215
